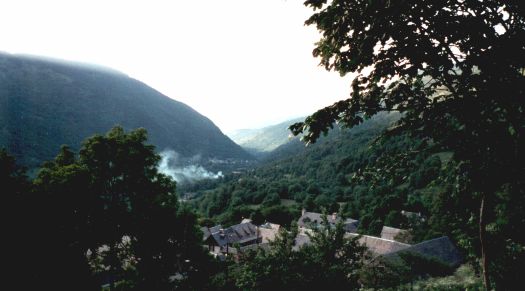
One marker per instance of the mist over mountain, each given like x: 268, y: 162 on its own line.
x: 275, y: 142
x: 260, y: 142
x: 45, y: 103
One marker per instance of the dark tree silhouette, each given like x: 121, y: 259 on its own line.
x: 106, y: 216
x: 454, y: 68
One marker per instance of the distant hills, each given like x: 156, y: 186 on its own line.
x: 46, y: 103
x: 260, y: 142
x: 275, y: 142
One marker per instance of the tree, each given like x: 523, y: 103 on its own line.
x: 137, y: 208
x: 12, y: 178
x: 330, y: 262
x: 109, y: 216
x: 455, y: 69
x: 271, y: 199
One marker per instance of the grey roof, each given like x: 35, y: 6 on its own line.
x: 351, y: 226
x: 207, y: 231
x: 238, y: 233
x: 377, y: 245
x: 440, y: 248
x: 309, y: 218
x: 215, y: 228
x: 391, y: 232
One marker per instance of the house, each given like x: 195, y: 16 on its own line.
x: 441, y: 249
x: 240, y: 235
x: 310, y: 220
x: 268, y: 231
x: 378, y: 246
x: 392, y: 233
x: 207, y: 231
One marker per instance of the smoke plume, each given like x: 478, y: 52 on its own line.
x: 171, y: 164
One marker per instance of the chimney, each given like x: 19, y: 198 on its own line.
x: 334, y: 216
x: 303, y: 211
x: 221, y: 232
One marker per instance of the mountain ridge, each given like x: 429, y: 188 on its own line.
x: 45, y: 103
x: 261, y: 142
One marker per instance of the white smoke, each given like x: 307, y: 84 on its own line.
x: 170, y: 165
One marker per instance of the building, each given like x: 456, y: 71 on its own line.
x: 441, y: 249
x: 268, y: 232
x: 309, y: 220
x: 378, y: 246
x: 392, y: 233
x: 228, y: 240
x: 207, y: 231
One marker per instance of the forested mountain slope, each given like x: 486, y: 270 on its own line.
x: 45, y: 103
x: 315, y: 176
x: 262, y: 141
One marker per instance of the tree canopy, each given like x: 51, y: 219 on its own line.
x: 455, y: 69
x: 106, y: 216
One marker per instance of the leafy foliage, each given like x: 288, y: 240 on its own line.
x: 107, y: 216
x: 350, y: 171
x: 455, y: 69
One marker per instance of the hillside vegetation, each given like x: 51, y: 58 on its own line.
x: 315, y: 176
x: 262, y: 141
x: 372, y: 175
x: 46, y: 103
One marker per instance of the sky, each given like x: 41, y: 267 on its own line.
x: 241, y: 63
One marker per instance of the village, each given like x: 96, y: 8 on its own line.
x: 236, y: 239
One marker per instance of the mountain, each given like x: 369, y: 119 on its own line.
x: 275, y: 142
x: 296, y: 147
x: 260, y: 142
x: 45, y: 103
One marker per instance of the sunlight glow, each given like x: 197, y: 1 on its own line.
x: 242, y: 63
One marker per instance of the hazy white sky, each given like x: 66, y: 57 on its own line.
x: 242, y: 63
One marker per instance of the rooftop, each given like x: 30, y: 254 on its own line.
x: 391, y: 232
x: 312, y: 218
x: 377, y: 245
x: 239, y: 233
x: 440, y: 248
